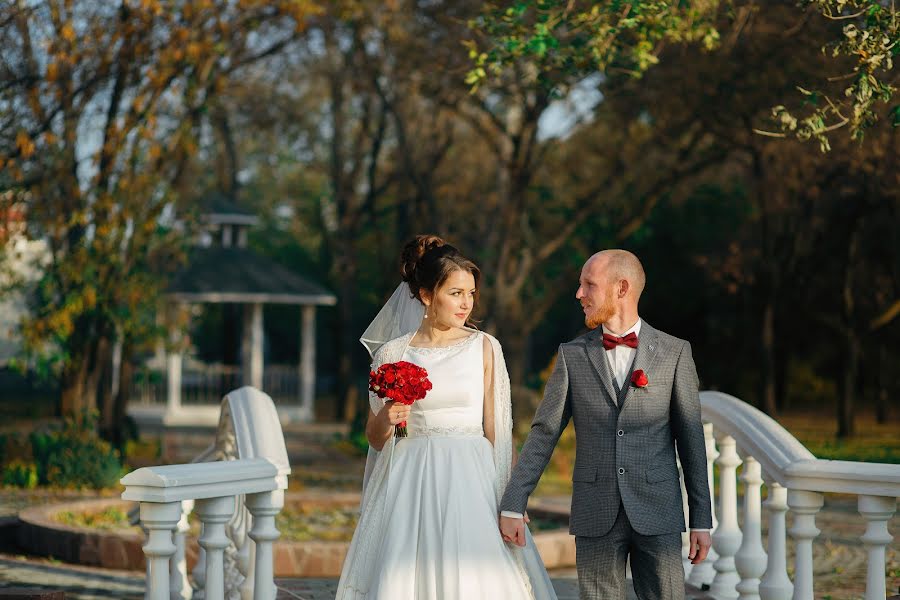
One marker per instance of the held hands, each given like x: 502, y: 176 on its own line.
x: 513, y: 529
x: 700, y: 543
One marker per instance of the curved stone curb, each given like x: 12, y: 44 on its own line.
x: 41, y: 534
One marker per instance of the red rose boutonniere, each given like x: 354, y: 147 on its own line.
x: 401, y: 382
x: 639, y: 379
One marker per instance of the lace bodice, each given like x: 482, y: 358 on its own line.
x: 456, y: 400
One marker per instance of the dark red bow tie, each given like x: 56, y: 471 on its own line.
x: 610, y: 341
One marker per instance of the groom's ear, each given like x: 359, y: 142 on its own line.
x: 624, y: 286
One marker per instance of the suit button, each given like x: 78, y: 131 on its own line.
x: 620, y: 433
x: 621, y: 471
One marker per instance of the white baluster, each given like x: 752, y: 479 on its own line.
x: 805, y: 505
x: 775, y: 584
x: 179, y: 585
x: 215, y: 512
x: 246, y: 561
x: 877, y: 510
x: 146, y: 565
x: 751, y: 557
x: 199, y: 573
x: 160, y: 518
x: 239, y: 573
x: 727, y: 537
x: 264, y: 506
x: 704, y: 573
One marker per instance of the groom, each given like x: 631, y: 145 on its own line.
x: 632, y: 393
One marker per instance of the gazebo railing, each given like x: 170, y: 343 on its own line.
x: 206, y: 384
x: 740, y: 566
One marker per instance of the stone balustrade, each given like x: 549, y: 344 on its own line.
x: 796, y: 482
x: 212, y: 487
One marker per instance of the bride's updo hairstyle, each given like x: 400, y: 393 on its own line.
x: 427, y: 261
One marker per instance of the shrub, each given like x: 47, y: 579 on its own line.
x: 357, y: 434
x: 75, y: 456
x: 20, y: 474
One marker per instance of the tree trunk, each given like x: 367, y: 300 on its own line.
x: 100, y: 357
x: 769, y: 386
x: 782, y: 360
x: 112, y: 382
x: 72, y: 382
x: 850, y: 387
x: 120, y: 432
x: 348, y: 401
x: 881, y: 389
x: 853, y: 346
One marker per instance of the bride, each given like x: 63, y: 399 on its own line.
x: 428, y: 526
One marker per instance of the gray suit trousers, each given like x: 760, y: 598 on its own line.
x: 655, y: 563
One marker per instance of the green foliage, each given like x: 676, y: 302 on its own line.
x: 75, y: 456
x: 108, y: 519
x: 855, y: 450
x: 21, y: 474
x: 561, y: 36
x: 577, y: 37
x: 306, y: 523
x: 357, y: 436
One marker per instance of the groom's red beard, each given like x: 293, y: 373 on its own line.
x: 602, y: 314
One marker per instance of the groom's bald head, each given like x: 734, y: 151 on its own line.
x: 617, y: 265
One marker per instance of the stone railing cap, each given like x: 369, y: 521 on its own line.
x: 787, y: 461
x: 170, y: 476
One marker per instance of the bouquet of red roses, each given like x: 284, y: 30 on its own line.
x: 401, y: 382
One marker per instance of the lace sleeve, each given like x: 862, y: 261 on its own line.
x: 502, y: 418
x: 376, y: 403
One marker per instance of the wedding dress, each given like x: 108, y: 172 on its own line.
x: 428, y: 527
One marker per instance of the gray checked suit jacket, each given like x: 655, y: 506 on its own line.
x: 625, y: 451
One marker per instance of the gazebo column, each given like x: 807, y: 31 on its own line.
x: 308, y: 363
x: 252, y: 346
x: 174, y: 357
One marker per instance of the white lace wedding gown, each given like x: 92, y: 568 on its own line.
x: 440, y: 539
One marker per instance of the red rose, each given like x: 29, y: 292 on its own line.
x: 639, y: 379
x: 402, y: 382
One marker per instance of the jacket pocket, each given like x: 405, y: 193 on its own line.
x: 662, y: 473
x: 586, y: 473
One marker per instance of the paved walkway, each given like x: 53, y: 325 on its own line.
x: 325, y: 589
x: 81, y: 583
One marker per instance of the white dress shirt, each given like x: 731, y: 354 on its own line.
x: 621, y: 356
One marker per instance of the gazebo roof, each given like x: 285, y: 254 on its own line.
x: 239, y: 275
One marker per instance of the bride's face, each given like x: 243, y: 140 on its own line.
x: 452, y: 303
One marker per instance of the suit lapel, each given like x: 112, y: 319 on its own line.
x: 648, y: 345
x: 597, y: 356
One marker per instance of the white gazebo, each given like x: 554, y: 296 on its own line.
x: 221, y: 269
